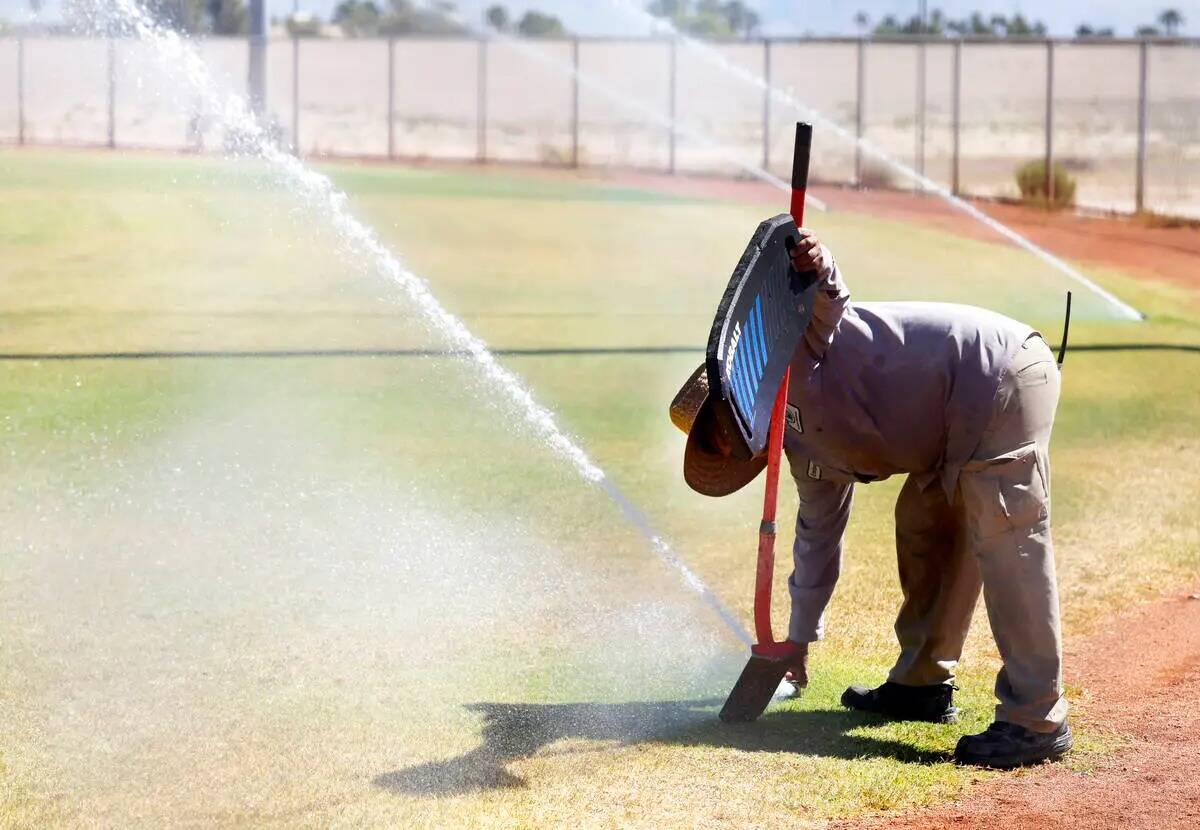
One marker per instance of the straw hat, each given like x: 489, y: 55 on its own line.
x: 717, y: 461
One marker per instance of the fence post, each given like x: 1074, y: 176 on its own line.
x: 921, y: 96
x: 20, y: 89
x: 672, y: 113
x: 1139, y: 198
x: 1049, y: 122
x: 956, y: 118
x: 296, y: 95
x: 112, y: 93
x: 256, y: 80
x: 481, y: 102
x: 766, y: 125
x: 859, y: 94
x: 391, y: 97
x: 575, y: 102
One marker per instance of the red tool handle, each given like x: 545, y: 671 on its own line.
x: 764, y: 576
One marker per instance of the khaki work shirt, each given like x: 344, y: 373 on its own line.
x: 879, y: 389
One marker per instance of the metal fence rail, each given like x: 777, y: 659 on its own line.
x: 1122, y: 116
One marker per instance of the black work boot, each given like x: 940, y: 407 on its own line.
x: 892, y: 700
x: 1007, y: 745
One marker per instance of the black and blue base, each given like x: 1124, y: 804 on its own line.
x: 759, y: 322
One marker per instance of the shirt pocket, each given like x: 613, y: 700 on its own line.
x: 1008, y: 492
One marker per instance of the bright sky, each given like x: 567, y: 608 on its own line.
x: 789, y: 17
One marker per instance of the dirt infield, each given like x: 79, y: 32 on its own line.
x: 1133, y: 245
x: 1141, y: 678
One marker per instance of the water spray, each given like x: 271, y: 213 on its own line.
x: 175, y: 56
x: 714, y: 57
x: 605, y: 91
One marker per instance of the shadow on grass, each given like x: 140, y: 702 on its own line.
x: 513, y: 731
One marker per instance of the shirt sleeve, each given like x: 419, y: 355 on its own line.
x: 829, y: 304
x: 817, y: 554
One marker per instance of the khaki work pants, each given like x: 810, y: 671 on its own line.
x: 996, y: 535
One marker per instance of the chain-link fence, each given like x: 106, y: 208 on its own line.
x: 1122, y: 116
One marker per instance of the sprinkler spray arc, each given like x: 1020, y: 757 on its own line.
x: 826, y: 123
x: 175, y: 56
x: 590, y: 83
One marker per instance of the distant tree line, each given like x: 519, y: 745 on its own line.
x: 1170, y: 21
x: 354, y: 18
x: 998, y: 25
x: 937, y: 23
x: 708, y: 18
x: 699, y: 18
x: 202, y: 17
x: 531, y: 24
x: 366, y: 18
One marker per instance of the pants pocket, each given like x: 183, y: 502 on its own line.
x: 1006, y: 492
x: 1035, y: 374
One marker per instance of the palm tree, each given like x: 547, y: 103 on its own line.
x: 742, y: 19
x: 497, y: 18
x: 1171, y: 20
x: 1018, y: 26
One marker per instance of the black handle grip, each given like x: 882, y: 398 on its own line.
x: 801, y: 155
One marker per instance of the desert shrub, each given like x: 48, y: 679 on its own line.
x: 1031, y: 179
x: 876, y: 174
x: 552, y: 155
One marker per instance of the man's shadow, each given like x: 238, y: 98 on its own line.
x: 513, y: 731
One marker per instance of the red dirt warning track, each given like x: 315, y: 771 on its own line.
x: 1130, y: 244
x: 1141, y: 678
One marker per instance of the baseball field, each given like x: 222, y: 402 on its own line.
x: 273, y: 557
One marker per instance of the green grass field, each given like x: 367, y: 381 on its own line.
x: 352, y: 590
